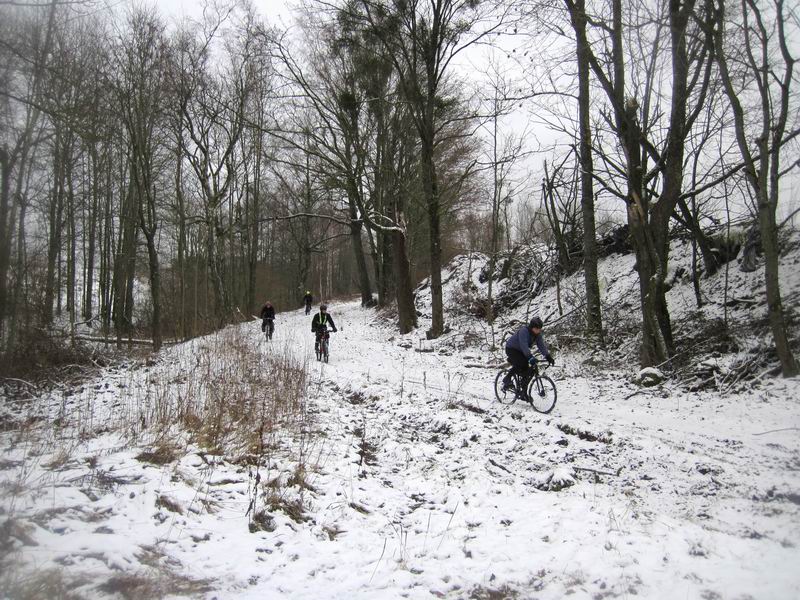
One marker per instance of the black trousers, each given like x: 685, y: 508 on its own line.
x: 518, y: 361
x: 268, y: 323
x: 319, y: 334
x: 519, y: 365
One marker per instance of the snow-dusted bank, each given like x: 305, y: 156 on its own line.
x: 415, y: 483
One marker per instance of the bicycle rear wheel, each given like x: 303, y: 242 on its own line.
x: 542, y: 393
x: 504, y: 397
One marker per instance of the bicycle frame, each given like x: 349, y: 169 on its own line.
x: 322, y: 339
x: 532, y: 375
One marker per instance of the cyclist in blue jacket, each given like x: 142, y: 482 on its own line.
x: 518, y: 351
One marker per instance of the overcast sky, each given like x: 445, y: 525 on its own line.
x: 276, y: 11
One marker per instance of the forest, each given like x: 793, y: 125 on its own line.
x: 161, y: 176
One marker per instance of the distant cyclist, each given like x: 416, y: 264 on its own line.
x: 518, y: 351
x: 308, y: 300
x: 319, y: 324
x: 268, y: 318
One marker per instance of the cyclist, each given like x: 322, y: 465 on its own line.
x: 308, y: 299
x: 268, y: 317
x: 518, y: 351
x: 319, y: 324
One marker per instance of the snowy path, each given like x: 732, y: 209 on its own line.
x: 451, y: 484
x: 420, y: 485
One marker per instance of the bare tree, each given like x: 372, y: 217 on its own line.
x: 422, y: 38
x: 505, y: 151
x: 213, y: 120
x: 759, y: 40
x: 649, y: 161
x: 594, y: 321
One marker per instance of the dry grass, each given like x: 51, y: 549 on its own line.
x: 149, y: 585
x: 485, y: 593
x: 221, y: 394
x: 161, y: 454
x: 228, y: 398
x: 52, y: 584
x: 238, y: 403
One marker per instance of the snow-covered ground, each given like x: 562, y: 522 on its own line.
x: 416, y: 484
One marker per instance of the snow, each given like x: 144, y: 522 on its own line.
x: 419, y: 484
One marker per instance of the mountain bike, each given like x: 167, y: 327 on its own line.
x: 322, y: 345
x: 540, y: 391
x: 269, y: 328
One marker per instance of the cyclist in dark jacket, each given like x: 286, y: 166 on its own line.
x: 319, y: 324
x: 518, y: 350
x: 308, y: 299
x: 268, y: 317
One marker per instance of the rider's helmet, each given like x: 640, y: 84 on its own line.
x: 535, y: 322
x: 323, y: 307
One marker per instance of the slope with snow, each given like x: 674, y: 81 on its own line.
x: 404, y: 478
x: 419, y: 484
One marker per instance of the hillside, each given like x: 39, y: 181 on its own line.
x: 709, y: 353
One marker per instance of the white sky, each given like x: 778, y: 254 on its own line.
x: 276, y: 11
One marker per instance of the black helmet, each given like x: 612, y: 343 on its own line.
x: 535, y: 322
x: 323, y: 307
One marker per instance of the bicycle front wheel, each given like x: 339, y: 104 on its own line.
x: 542, y: 393
x: 503, y: 397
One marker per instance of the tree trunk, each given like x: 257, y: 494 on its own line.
x: 54, y: 232
x: 404, y: 289
x: 20, y: 289
x: 91, y: 249
x: 71, y: 245
x: 594, y: 322
x: 155, y: 284
x: 358, y: 250
x: 769, y: 244
x: 653, y: 350
x: 5, y: 237
x: 125, y: 264
x: 698, y: 235
x: 183, y: 321
x: 434, y: 233
x: 387, y: 282
x: 106, y: 252
x: 215, y: 268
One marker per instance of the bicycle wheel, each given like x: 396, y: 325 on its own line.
x: 325, y: 352
x: 542, y: 393
x: 503, y: 397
